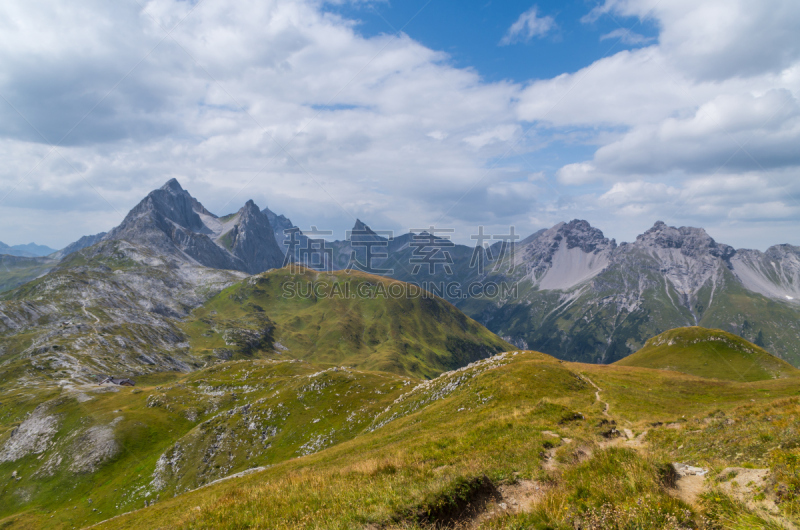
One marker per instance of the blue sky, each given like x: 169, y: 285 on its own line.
x: 620, y: 112
x: 470, y: 33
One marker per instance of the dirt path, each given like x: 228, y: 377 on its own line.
x: 88, y: 314
x: 606, y: 406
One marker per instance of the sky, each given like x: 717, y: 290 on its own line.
x: 406, y: 114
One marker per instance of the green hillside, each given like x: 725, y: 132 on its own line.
x: 336, y: 448
x: 450, y: 452
x: 352, y: 318
x: 710, y: 353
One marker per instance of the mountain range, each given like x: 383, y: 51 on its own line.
x: 583, y: 297
x: 578, y: 294
x: 31, y: 250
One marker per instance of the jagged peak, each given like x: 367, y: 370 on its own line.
x: 687, y: 238
x: 173, y: 186
x: 663, y: 234
x: 361, y: 228
x: 577, y: 233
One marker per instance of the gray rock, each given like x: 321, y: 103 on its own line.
x: 33, y: 436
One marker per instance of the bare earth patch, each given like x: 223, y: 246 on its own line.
x: 519, y: 497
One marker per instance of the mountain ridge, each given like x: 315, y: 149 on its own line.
x: 29, y: 250
x: 579, y: 295
x: 170, y: 220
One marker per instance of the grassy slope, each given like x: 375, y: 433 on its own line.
x: 226, y: 418
x: 483, y: 421
x: 419, y: 336
x: 709, y: 353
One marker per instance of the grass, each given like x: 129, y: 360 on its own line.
x: 353, y: 434
x: 710, y: 353
x: 615, y: 489
x: 485, y: 421
x: 152, y: 419
x: 420, y: 336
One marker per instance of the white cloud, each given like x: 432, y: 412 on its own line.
x: 318, y: 122
x: 715, y: 123
x: 719, y: 39
x: 627, y: 194
x: 528, y: 25
x: 626, y: 36
x: 273, y: 95
x: 502, y: 133
x: 765, y: 211
x: 577, y: 174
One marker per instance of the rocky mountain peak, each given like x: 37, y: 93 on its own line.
x: 250, y: 208
x: 173, y: 186
x: 360, y: 227
x: 565, y: 255
x: 165, y: 208
x: 576, y: 234
x: 279, y: 224
x: 362, y: 232
x: 172, y: 222
x: 690, y: 240
x: 252, y: 240
x: 580, y: 234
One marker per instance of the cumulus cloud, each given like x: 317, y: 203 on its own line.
x: 275, y: 97
x: 279, y: 101
x: 577, y: 174
x: 685, y: 124
x: 527, y: 26
x: 719, y: 39
x: 734, y: 206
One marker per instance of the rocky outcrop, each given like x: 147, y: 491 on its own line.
x: 33, y: 436
x: 279, y: 224
x: 774, y: 273
x: 94, y: 447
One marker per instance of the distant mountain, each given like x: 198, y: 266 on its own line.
x: 31, y: 250
x: 710, y: 353
x: 112, y: 307
x: 84, y: 242
x: 583, y: 297
x: 279, y: 224
x: 173, y: 223
x: 579, y: 295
